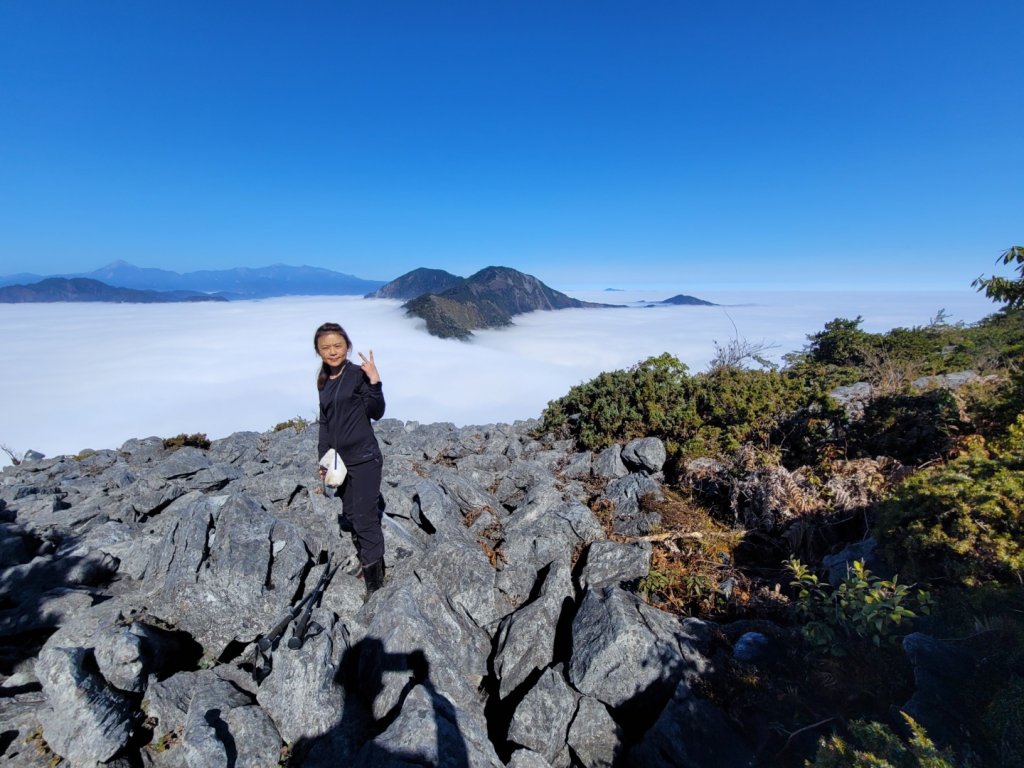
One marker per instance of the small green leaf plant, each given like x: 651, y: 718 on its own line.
x: 871, y: 744
x: 863, y: 607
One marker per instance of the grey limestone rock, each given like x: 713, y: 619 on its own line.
x: 525, y: 642
x: 941, y: 669
x: 951, y: 381
x: 485, y: 469
x: 853, y: 398
x: 626, y: 653
x: 481, y: 526
x: 239, y: 448
x: 627, y: 494
x: 523, y: 476
x: 527, y: 758
x: 533, y: 541
x: 646, y: 454
x: 86, y: 721
x: 411, y: 619
x: 756, y: 648
x: 302, y: 694
x: 464, y: 575
x: 839, y: 564
x: 223, y: 727
x: 594, y: 737
x: 541, y: 721
x: 143, y: 450
x: 167, y: 701
x: 612, y: 562
x: 579, y: 466
x: 608, y: 463
x: 437, y: 510
x: 226, y: 570
x: 128, y: 655
x: 471, y: 499
x: 431, y: 730
x: 130, y: 545
x: 51, y: 609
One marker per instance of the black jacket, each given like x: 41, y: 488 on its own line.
x: 347, y: 403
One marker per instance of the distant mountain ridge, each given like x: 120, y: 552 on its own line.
x: 54, y: 289
x: 416, y: 283
x: 237, y: 283
x: 486, y: 299
x: 684, y: 300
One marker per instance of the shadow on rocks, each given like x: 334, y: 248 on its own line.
x: 43, y: 582
x: 422, y: 729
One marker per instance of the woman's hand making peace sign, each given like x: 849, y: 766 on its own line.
x: 369, y: 368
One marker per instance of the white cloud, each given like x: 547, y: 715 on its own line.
x: 94, y: 375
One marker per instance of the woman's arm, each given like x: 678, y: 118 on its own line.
x: 321, y: 447
x: 373, y: 394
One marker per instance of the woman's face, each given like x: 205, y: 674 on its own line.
x: 332, y: 349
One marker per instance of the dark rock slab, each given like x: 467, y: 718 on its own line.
x: 525, y: 642
x: 691, y: 733
x: 629, y: 655
x: 608, y: 463
x: 645, y: 454
x: 431, y: 730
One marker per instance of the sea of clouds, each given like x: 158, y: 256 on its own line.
x: 81, y: 376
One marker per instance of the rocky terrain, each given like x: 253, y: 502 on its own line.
x: 137, y: 581
x: 136, y: 584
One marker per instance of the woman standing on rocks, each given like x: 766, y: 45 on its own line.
x: 350, y: 396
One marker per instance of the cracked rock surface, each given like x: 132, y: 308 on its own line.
x: 137, y: 585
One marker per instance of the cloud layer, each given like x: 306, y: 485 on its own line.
x: 93, y: 375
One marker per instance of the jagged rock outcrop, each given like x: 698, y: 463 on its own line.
x: 137, y: 583
x: 486, y: 299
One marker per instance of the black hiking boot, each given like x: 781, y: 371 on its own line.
x: 373, y: 575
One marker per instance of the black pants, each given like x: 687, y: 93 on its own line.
x: 360, y: 494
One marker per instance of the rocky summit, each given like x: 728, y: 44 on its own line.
x: 487, y: 299
x: 138, y: 583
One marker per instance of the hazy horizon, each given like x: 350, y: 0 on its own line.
x: 94, y: 375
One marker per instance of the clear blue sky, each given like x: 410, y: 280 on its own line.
x: 871, y: 144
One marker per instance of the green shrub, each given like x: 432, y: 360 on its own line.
x: 195, y: 440
x: 962, y: 521
x: 873, y: 745
x: 654, y: 397
x: 711, y: 413
x: 911, y: 428
x: 862, y: 607
x: 297, y: 423
x: 840, y: 344
x: 736, y: 406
